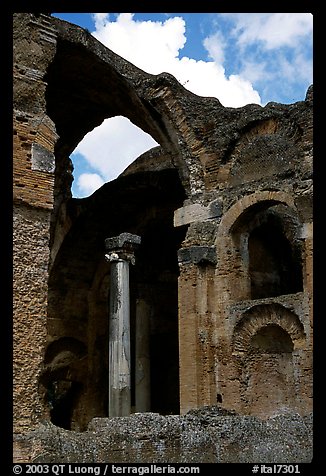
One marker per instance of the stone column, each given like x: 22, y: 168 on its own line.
x: 120, y: 252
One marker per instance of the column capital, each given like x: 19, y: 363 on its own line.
x: 121, y: 247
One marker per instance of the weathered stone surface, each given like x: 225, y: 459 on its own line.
x: 209, y: 435
x: 31, y: 253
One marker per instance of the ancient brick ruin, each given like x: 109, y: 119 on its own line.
x: 221, y: 289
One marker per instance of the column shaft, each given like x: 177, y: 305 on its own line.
x: 119, y: 340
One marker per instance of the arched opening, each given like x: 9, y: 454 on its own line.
x: 267, y: 253
x: 273, y: 269
x: 105, y: 152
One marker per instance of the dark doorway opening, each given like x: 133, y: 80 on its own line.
x: 273, y: 268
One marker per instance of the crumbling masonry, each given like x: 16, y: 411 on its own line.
x: 219, y: 313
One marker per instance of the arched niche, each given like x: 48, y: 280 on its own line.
x: 267, y: 345
x: 259, y: 246
x: 271, y: 339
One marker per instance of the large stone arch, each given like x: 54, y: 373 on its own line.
x: 108, y: 86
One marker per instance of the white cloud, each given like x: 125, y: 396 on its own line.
x: 111, y: 147
x: 155, y: 48
x: 274, y: 52
x: 275, y: 30
x: 149, y: 45
x: 215, y: 45
x: 100, y: 20
x: 254, y: 71
x: 87, y: 183
x: 299, y: 68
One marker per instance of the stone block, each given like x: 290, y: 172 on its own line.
x: 197, y: 212
x: 42, y: 159
x: 197, y: 255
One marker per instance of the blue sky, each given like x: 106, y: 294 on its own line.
x: 240, y: 58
